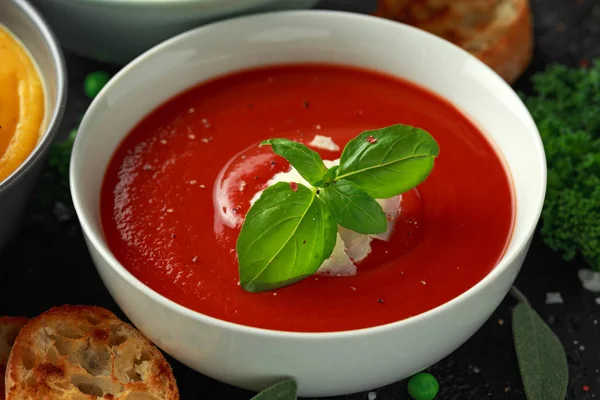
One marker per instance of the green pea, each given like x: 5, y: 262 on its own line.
x: 94, y: 82
x: 423, y: 386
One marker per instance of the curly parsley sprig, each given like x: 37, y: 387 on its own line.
x: 566, y: 108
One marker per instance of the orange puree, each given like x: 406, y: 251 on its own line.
x: 21, y: 103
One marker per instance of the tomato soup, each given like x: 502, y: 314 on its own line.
x: 178, y: 187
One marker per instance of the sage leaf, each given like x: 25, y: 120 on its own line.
x: 389, y: 161
x: 307, y: 162
x: 541, y: 356
x: 286, y: 390
x: 353, y: 208
x: 287, y: 235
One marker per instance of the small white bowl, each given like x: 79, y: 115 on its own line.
x: 324, y: 364
x: 117, y: 31
x: 27, y: 25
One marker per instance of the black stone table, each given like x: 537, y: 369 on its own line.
x: 47, y: 264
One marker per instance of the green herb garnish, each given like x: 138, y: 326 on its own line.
x: 286, y: 237
x: 286, y: 390
x: 388, y: 161
x: 292, y: 228
x: 307, y: 162
x: 541, y: 356
x: 353, y: 208
x: 566, y: 108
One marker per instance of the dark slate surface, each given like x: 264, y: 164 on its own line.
x: 47, y: 263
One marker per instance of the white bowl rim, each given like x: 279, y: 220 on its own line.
x: 53, y: 123
x: 171, y: 3
x: 107, y: 255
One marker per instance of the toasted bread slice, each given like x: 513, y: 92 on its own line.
x: 82, y: 352
x: 9, y: 329
x: 498, y: 32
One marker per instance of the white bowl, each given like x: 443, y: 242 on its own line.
x: 323, y: 363
x: 117, y: 31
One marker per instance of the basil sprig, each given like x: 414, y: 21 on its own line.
x: 307, y: 162
x: 292, y: 229
x: 353, y: 208
x: 389, y: 161
x: 286, y: 237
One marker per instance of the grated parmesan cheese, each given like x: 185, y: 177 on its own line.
x: 324, y: 142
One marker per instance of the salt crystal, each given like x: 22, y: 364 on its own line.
x: 590, y: 280
x: 192, y: 136
x: 423, y: 283
x: 372, y: 395
x: 191, y: 110
x: 163, y: 141
x: 193, y: 182
x: 598, y: 300
x: 554, y: 298
x: 61, y: 211
x: 202, y: 186
x: 476, y: 370
x: 318, y: 127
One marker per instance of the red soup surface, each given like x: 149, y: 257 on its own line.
x: 179, y: 185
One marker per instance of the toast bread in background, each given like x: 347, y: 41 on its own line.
x: 9, y: 329
x: 85, y: 353
x: 498, y: 32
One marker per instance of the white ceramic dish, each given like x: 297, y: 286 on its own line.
x: 117, y: 31
x: 323, y: 363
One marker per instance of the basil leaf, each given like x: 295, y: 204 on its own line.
x: 307, y: 162
x: 328, y: 178
x: 286, y: 390
x: 541, y: 356
x: 353, y: 208
x: 389, y: 161
x: 286, y: 237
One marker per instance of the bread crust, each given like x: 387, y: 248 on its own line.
x: 498, y: 32
x: 9, y: 329
x: 85, y: 353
